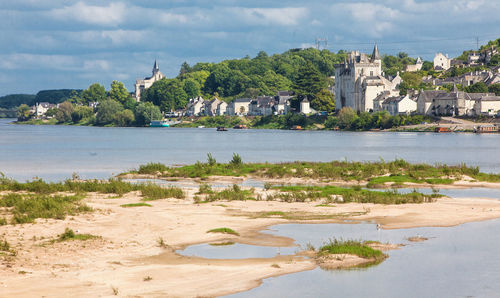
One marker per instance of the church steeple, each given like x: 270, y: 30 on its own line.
x: 376, y: 54
x: 155, y: 68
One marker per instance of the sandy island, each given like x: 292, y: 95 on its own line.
x: 128, y: 260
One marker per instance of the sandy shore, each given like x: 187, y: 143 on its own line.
x: 128, y: 261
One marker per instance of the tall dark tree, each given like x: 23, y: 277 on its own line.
x: 308, y: 83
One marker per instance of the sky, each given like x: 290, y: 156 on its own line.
x: 56, y: 44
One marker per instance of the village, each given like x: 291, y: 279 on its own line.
x: 359, y: 84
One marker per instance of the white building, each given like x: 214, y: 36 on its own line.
x: 141, y: 85
x: 359, y: 80
x: 240, y: 106
x: 195, y: 107
x: 415, y: 67
x: 305, y: 107
x: 211, y: 106
x: 221, y: 109
x: 397, y: 105
x: 442, y: 62
x: 39, y: 109
x: 457, y: 103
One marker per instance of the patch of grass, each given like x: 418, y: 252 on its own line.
x: 112, y: 186
x: 335, y: 170
x: 301, y: 215
x: 275, y: 266
x: 234, y: 193
x: 152, y: 168
x: 136, y: 205
x: 224, y: 231
x: 115, y: 291
x: 4, y: 246
x: 155, y: 192
x: 336, y: 194
x: 205, y: 189
x: 227, y: 243
x: 26, y: 208
x: 3, y: 221
x: 147, y: 278
x: 162, y: 243
x: 352, y: 247
x: 69, y: 234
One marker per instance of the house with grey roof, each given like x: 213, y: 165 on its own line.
x: 195, y: 107
x: 397, y: 105
x: 239, y: 106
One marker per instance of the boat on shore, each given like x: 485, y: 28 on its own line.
x: 159, y: 123
x: 221, y: 128
x: 441, y: 129
x: 296, y: 127
x: 240, y: 126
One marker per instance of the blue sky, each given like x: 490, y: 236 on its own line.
x: 52, y: 44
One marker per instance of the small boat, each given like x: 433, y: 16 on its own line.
x: 240, y: 126
x: 159, y: 123
x: 221, y: 128
x: 296, y: 127
x: 442, y: 129
x: 201, y: 126
x: 491, y: 128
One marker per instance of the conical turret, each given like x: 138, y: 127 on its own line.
x: 155, y: 67
x: 376, y: 54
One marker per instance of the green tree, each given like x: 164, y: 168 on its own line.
x: 107, y: 110
x: 95, y: 92
x: 494, y: 88
x: 346, y: 117
x: 192, y: 88
x: 64, y: 112
x: 80, y: 113
x: 124, y: 118
x: 23, y: 112
x: 308, y: 83
x: 324, y: 100
x: 169, y: 94
x: 118, y: 92
x: 144, y: 111
x: 185, y: 68
x: 479, y: 87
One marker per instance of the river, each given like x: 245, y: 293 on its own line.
x: 55, y: 152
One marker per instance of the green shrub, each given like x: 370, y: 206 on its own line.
x: 152, y: 168
x: 4, y: 246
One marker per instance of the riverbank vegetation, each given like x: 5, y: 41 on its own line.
x: 375, y: 174
x: 149, y: 191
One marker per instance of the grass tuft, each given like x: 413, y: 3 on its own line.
x: 224, y: 231
x: 352, y: 247
x: 69, y: 235
x: 136, y: 205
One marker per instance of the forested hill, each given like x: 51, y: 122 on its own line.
x: 50, y: 96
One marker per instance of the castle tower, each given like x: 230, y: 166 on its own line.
x: 375, y: 54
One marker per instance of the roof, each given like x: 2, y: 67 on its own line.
x: 242, y: 100
x: 393, y: 99
x: 285, y: 93
x: 429, y: 95
x: 490, y: 98
x: 375, y: 54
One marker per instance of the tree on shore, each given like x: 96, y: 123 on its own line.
x: 64, y: 112
x: 144, y: 111
x: 106, y: 111
x: 23, y: 112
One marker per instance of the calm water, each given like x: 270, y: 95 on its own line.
x: 55, y: 152
x: 460, y: 261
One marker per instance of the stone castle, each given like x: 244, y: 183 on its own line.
x: 359, y: 80
x: 141, y: 85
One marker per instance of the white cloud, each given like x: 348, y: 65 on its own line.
x: 288, y: 16
x: 113, y: 14
x: 34, y: 61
